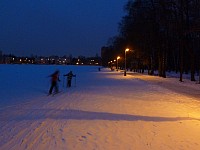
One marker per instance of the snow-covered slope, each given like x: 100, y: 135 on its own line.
x: 105, y: 111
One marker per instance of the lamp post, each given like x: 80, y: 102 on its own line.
x: 117, y: 61
x: 126, y: 50
x: 108, y: 64
x: 114, y: 64
x: 111, y: 65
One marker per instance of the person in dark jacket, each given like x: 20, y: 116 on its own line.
x: 54, y: 80
x: 69, y: 78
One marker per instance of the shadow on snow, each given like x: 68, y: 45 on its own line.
x: 70, y: 114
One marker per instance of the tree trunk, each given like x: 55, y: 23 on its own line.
x: 164, y: 65
x: 192, y: 66
x: 160, y: 65
x: 181, y: 60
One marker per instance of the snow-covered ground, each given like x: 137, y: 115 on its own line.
x: 104, y: 111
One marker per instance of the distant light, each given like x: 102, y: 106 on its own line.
x: 127, y: 50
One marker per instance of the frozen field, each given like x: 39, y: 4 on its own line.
x: 104, y: 111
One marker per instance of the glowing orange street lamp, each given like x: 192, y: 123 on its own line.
x: 126, y: 50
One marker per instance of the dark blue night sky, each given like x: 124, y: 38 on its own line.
x: 58, y: 27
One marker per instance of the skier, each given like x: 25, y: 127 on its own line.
x: 69, y: 78
x: 54, y: 79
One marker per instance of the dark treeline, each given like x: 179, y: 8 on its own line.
x: 163, y: 34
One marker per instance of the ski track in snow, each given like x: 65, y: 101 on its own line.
x: 106, y: 111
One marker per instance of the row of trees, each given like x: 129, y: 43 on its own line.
x: 163, y: 34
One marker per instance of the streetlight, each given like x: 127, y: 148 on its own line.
x: 111, y: 65
x: 126, y: 50
x: 108, y: 64
x: 114, y: 63
x: 117, y: 61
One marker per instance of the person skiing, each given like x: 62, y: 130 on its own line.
x: 54, y: 79
x: 69, y: 78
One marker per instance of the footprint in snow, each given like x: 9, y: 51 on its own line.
x: 83, y: 138
x: 63, y: 140
x: 89, y: 133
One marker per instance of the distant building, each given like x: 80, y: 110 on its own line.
x: 51, y: 60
